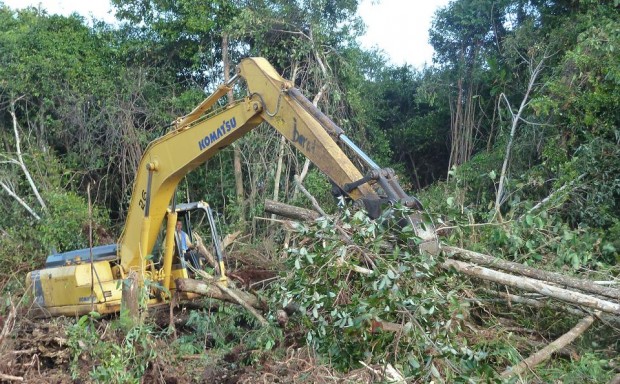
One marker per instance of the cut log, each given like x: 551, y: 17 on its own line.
x: 290, y: 211
x: 510, y: 298
x: 210, y: 290
x: 490, y: 261
x: 533, y: 285
x: 10, y: 378
x: 546, y: 352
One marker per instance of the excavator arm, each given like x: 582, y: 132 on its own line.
x: 197, y: 138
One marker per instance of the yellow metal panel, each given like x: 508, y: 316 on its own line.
x: 71, y: 285
x: 176, y: 154
x: 298, y: 126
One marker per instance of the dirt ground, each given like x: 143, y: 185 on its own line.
x: 37, y: 351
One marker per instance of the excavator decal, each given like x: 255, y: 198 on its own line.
x: 222, y: 130
x: 302, y: 140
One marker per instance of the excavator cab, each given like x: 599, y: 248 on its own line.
x: 79, y: 281
x: 206, y: 251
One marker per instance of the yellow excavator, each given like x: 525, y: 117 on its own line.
x: 77, y: 282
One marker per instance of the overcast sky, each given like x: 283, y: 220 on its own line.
x: 398, y: 27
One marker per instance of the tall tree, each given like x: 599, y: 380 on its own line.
x: 464, y: 34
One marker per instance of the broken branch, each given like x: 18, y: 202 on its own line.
x: 546, y: 352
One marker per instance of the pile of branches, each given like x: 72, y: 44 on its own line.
x: 352, y: 258
x: 363, y: 295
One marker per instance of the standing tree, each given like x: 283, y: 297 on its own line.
x: 465, y: 34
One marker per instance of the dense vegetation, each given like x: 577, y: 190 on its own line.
x: 511, y: 139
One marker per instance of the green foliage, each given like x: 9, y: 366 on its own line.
x: 18, y: 251
x: 226, y: 327
x: 66, y: 225
x: 122, y: 360
x: 407, y: 131
x: 589, y: 368
x: 63, y: 227
x: 342, y: 309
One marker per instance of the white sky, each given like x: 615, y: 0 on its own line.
x: 397, y: 27
x: 400, y: 28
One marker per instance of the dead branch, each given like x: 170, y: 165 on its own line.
x: 533, y: 285
x: 490, y: 261
x: 535, y: 69
x: 546, y: 352
x: 9, y: 322
x: 388, y: 373
x: 20, y: 159
x: 229, y: 239
x: 315, y: 204
x: 8, y: 189
x: 553, y: 194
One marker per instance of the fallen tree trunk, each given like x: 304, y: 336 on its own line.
x: 482, y: 259
x: 533, y: 285
x: 212, y: 291
x: 546, y: 352
x: 290, y: 211
x: 510, y: 298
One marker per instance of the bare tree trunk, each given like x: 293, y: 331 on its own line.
x: 240, y: 192
x: 315, y: 101
x: 20, y: 162
x: 546, y: 352
x: 533, y: 285
x: 516, y: 117
x: 456, y: 124
x: 482, y: 259
x: 130, y: 301
x: 276, y: 182
x: 20, y: 158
